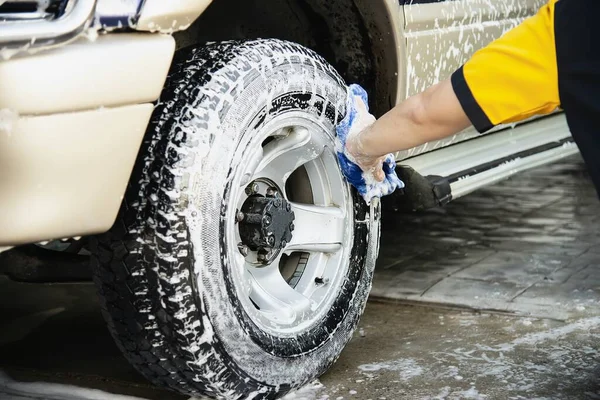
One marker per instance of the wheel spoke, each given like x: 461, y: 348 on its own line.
x: 317, y: 228
x: 272, y: 294
x: 251, y: 167
x: 284, y: 155
x: 315, y: 258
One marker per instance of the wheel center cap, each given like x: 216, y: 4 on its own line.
x: 266, y: 223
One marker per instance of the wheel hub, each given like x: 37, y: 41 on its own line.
x: 266, y: 223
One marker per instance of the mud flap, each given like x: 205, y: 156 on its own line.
x: 421, y: 192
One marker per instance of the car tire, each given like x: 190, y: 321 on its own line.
x: 200, y: 295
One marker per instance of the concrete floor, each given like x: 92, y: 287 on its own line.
x: 479, y: 339
x: 423, y: 353
x: 528, y: 245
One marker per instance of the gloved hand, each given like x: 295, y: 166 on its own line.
x: 379, y: 177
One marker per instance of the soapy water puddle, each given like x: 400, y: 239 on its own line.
x: 539, y: 357
x: 406, y: 368
x: 13, y: 390
x: 552, y: 360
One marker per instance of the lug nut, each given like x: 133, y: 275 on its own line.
x: 243, y: 249
x: 239, y: 216
x: 277, y: 203
x: 321, y: 281
x: 252, y: 189
x: 263, y: 255
x: 292, y: 226
x: 283, y: 243
x: 271, y: 241
x: 272, y: 192
x: 288, y: 207
x: 266, y: 220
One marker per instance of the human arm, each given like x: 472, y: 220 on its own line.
x: 513, y: 78
x: 431, y: 115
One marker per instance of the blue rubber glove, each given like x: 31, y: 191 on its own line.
x: 364, y: 182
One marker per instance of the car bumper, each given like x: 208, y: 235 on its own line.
x: 71, y: 123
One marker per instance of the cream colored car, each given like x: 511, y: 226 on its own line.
x: 231, y: 258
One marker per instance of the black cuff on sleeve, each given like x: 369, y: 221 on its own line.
x: 473, y: 110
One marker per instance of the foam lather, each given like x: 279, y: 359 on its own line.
x: 357, y: 118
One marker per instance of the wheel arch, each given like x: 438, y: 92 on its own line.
x: 358, y: 37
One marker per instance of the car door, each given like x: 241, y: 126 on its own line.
x: 438, y: 36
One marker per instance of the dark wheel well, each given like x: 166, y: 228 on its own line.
x: 355, y: 36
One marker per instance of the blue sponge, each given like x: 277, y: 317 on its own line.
x: 353, y: 122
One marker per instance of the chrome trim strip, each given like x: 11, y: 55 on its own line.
x: 501, y: 172
x: 18, y: 17
x: 43, y: 33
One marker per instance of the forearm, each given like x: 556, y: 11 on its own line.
x: 431, y: 115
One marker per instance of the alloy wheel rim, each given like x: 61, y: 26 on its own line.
x: 291, y: 291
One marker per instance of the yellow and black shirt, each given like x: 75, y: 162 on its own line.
x: 550, y: 61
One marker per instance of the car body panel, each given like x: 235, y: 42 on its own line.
x: 91, y: 114
x: 170, y: 16
x: 441, y: 36
x: 65, y: 174
x: 126, y: 69
x: 150, y: 15
x: 68, y: 142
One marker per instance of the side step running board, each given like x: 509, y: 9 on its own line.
x: 432, y: 179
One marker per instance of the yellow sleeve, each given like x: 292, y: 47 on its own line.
x: 514, y: 77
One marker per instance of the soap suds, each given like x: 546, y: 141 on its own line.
x: 307, y: 392
x: 8, y: 119
x: 407, y: 368
x: 13, y: 390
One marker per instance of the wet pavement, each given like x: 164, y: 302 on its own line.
x: 426, y: 353
x: 55, y: 333
x: 496, y: 296
x: 529, y: 246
